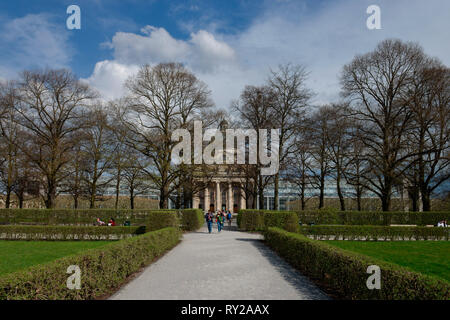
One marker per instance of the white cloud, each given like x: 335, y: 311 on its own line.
x: 323, y: 38
x: 154, y: 46
x: 33, y: 41
x: 109, y: 78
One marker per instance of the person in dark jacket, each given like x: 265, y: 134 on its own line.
x: 209, y: 216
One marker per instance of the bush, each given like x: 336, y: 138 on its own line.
x: 375, y: 233
x: 61, y: 233
x: 258, y: 220
x: 156, y: 220
x: 371, y: 217
x: 191, y: 219
x: 102, y: 269
x: 344, y: 272
x: 76, y: 217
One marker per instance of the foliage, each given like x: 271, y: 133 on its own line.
x: 102, y: 269
x: 371, y: 217
x: 345, y: 272
x: 375, y: 233
x: 257, y: 220
x: 66, y: 233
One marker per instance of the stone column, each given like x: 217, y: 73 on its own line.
x: 242, y: 206
x: 230, y: 197
x: 218, y: 196
x: 207, y: 199
x: 195, y: 201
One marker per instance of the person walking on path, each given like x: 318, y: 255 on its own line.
x: 209, y: 216
x: 219, y: 219
x: 229, y: 217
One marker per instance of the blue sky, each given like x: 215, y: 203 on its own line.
x: 227, y: 44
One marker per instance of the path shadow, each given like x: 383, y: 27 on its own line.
x: 300, y: 282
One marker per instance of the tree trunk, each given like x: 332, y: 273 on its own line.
x: 50, y: 202
x: 275, y: 191
x: 163, y: 197
x: 321, y: 195
x: 75, y: 201
x: 358, y: 198
x: 116, y: 204
x: 386, y: 202
x: 261, y: 193
x: 339, y: 192
x: 8, y: 198
x: 21, y: 200
x: 131, y: 198
x: 426, y: 201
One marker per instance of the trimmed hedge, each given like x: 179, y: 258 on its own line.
x: 375, y: 233
x: 187, y: 219
x: 156, y: 220
x: 371, y: 217
x: 102, y: 269
x: 258, y: 220
x: 62, y: 233
x: 344, y: 272
x: 75, y: 217
x: 191, y: 219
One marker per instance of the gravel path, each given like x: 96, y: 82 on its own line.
x: 227, y: 265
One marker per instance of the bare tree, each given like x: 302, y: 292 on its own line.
x: 9, y: 139
x: 98, y: 152
x: 255, y: 110
x: 300, y: 170
x: 162, y: 98
x: 338, y: 144
x: 430, y: 105
x: 50, y: 114
x: 288, y: 84
x: 317, y: 134
x: 355, y: 164
x: 377, y: 83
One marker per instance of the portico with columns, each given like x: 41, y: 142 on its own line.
x: 221, y: 192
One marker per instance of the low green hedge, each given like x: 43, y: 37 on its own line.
x: 75, y: 217
x: 375, y: 233
x: 191, y: 219
x: 344, y: 272
x: 187, y: 219
x: 62, y: 233
x: 371, y: 217
x: 258, y: 220
x: 102, y: 269
x: 156, y: 220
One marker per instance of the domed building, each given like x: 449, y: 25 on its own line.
x: 225, y: 189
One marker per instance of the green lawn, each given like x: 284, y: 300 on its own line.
x: 427, y: 257
x: 18, y: 255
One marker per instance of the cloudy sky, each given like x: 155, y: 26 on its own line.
x: 227, y: 44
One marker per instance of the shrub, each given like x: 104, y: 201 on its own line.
x: 61, y: 233
x: 76, y: 217
x: 375, y: 233
x: 102, y: 269
x: 156, y: 220
x: 371, y: 217
x: 258, y: 220
x: 344, y: 272
x: 191, y: 219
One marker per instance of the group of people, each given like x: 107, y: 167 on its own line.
x: 111, y: 222
x: 442, y: 223
x: 219, y: 218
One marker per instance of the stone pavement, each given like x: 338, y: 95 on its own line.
x: 225, y: 266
